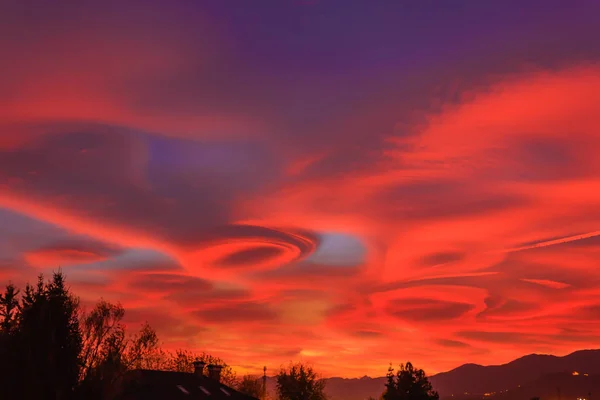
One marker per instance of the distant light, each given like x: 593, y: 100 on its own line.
x: 575, y: 373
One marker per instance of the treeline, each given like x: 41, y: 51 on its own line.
x: 52, y: 349
x: 301, y: 382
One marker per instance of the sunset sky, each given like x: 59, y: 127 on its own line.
x: 346, y: 183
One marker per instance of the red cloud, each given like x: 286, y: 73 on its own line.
x: 56, y: 257
x: 65, y: 254
x: 480, y: 225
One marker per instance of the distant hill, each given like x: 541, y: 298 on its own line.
x: 537, y: 375
x: 555, y: 387
x: 477, y: 379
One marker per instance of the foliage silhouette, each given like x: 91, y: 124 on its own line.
x: 11, y: 371
x: 300, y: 382
x: 9, y: 307
x: 40, y: 341
x: 251, y: 385
x: 51, y: 350
x: 108, y: 352
x: 408, y: 383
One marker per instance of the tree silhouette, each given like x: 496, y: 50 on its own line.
x: 50, y: 350
x: 143, y: 350
x: 251, y: 385
x: 48, y: 340
x: 103, y: 336
x: 10, y: 360
x: 104, y: 342
x: 108, y: 352
x: 408, y: 384
x: 9, y: 307
x: 300, y: 382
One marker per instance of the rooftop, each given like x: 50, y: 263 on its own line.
x: 162, y: 385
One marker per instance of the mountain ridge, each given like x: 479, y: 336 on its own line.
x: 494, y: 378
x: 525, y: 374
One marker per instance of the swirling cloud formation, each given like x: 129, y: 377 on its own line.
x: 352, y: 195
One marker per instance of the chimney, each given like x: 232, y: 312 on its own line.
x: 199, y: 368
x: 264, y: 384
x: 214, y: 372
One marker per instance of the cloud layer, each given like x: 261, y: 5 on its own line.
x: 252, y: 202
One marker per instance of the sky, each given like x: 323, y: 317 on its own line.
x: 344, y: 183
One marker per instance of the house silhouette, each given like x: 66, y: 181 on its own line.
x: 168, y: 385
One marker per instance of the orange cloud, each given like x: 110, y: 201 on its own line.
x: 54, y: 257
x: 479, y: 227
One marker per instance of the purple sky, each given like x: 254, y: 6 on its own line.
x: 311, y: 180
